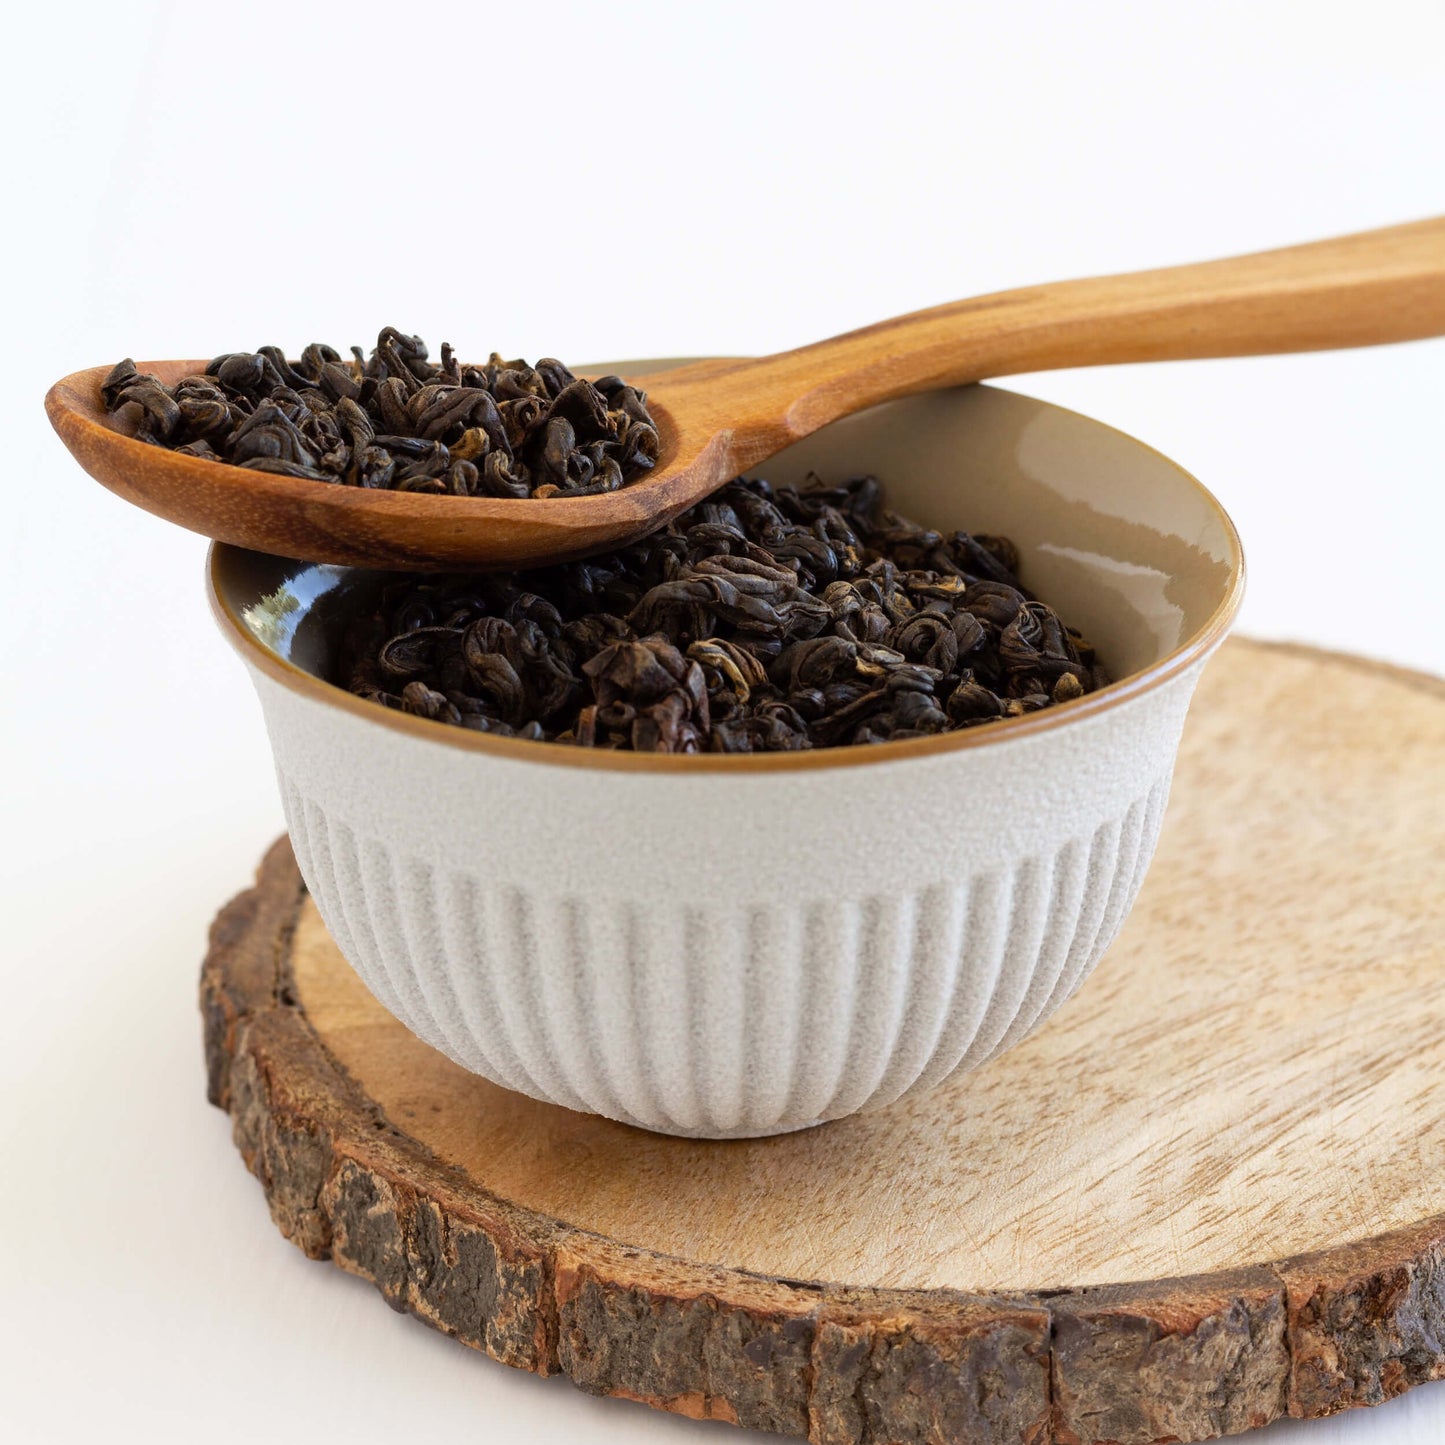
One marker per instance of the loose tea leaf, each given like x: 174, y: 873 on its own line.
x: 761, y: 620
x: 398, y: 421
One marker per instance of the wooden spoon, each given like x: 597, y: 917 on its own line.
x: 717, y: 419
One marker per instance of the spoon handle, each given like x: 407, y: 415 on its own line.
x: 1358, y: 290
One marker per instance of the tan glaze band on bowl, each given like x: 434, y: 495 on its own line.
x: 1198, y: 645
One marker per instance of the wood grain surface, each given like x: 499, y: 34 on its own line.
x: 1209, y: 1192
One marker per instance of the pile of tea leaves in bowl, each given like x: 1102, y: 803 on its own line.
x: 397, y: 421
x: 762, y: 620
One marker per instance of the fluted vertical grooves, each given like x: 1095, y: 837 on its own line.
x: 722, y: 1018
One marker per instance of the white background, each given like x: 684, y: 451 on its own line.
x: 581, y: 180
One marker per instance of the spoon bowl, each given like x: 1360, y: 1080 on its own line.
x: 716, y: 419
x: 349, y: 526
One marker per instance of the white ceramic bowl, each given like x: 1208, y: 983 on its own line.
x: 727, y: 946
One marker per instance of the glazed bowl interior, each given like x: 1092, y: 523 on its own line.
x: 1128, y: 547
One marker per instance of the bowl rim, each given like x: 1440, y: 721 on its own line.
x: 1192, y: 650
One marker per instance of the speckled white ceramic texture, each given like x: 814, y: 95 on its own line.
x: 726, y: 951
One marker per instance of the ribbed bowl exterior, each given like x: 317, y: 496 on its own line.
x: 724, y: 955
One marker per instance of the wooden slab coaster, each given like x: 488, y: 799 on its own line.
x: 1210, y: 1192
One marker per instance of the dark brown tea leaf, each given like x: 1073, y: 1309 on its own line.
x: 761, y: 620
x: 398, y: 421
